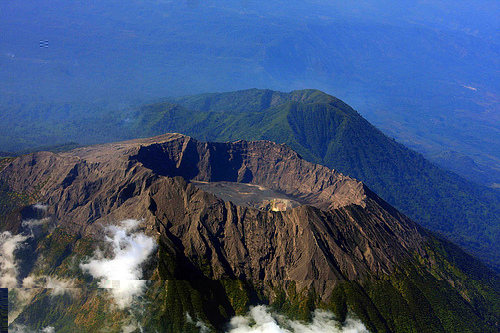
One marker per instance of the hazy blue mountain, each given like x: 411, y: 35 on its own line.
x: 425, y: 73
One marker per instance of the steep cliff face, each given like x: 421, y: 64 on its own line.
x: 262, y: 163
x: 337, y: 234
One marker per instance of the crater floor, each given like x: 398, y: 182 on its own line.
x: 249, y: 195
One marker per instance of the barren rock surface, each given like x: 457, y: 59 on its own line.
x: 335, y: 229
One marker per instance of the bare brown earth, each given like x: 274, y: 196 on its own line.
x: 340, y: 230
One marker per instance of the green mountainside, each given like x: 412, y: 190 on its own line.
x: 426, y: 295
x: 323, y: 129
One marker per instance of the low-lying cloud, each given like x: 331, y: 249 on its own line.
x: 41, y: 206
x: 123, y: 272
x: 34, y: 223
x: 31, y: 285
x: 9, y: 271
x: 261, y: 320
x: 201, y: 325
x: 8, y: 267
x: 57, y: 286
x: 24, y: 329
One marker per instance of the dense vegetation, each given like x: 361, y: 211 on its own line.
x: 448, y: 291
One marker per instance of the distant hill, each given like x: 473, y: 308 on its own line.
x: 6, y: 154
x: 468, y: 168
x: 325, y: 130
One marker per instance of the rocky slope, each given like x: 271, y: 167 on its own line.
x: 343, y: 248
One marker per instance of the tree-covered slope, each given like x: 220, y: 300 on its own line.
x: 325, y: 130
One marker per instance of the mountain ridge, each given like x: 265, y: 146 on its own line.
x: 324, y: 130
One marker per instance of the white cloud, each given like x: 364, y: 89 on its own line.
x: 31, y: 284
x: 57, y: 286
x: 40, y: 206
x: 123, y: 272
x: 127, y: 225
x: 33, y: 223
x: 261, y: 320
x: 8, y: 266
x: 201, y: 325
x: 20, y: 297
x: 60, y: 286
x: 132, y: 328
x: 23, y: 329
